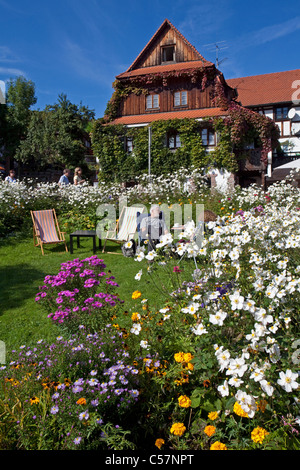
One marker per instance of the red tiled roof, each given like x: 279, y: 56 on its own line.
x: 167, y: 23
x: 193, y: 64
x: 265, y: 89
x: 147, y: 118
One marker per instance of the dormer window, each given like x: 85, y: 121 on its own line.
x: 152, y: 102
x: 168, y: 54
x: 180, y: 98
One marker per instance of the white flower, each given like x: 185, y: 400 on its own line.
x: 266, y: 387
x: 144, y: 344
x: 218, y: 318
x: 136, y: 328
x: 224, y: 389
x: 237, y: 301
x: 257, y: 375
x: 235, y: 382
x: 164, y: 310
x: 151, y: 255
x: 237, y: 367
x: 140, y: 256
x: 128, y: 244
x: 199, y: 330
x: 247, y: 403
x: 288, y: 380
x: 138, y: 275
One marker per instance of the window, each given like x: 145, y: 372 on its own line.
x: 208, y: 137
x: 281, y: 113
x: 180, y: 98
x: 168, y: 54
x: 152, y: 102
x: 284, y: 124
x: 129, y: 144
x: 174, y: 141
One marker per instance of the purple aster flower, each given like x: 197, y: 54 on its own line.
x: 84, y: 415
x: 54, y: 410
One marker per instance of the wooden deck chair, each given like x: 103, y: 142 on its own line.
x: 125, y: 228
x: 46, y: 229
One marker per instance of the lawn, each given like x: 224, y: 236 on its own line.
x: 22, y: 271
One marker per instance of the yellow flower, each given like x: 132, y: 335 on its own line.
x: 258, y: 434
x: 177, y: 429
x: 159, y: 443
x: 184, y: 401
x: 136, y: 294
x: 209, y: 430
x: 179, y: 357
x: 218, y: 446
x: 213, y: 415
x: 34, y: 400
x: 238, y: 410
x: 135, y: 316
x: 188, y: 357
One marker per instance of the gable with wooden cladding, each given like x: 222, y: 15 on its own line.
x: 169, y: 75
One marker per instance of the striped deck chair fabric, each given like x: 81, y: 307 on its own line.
x: 46, y: 229
x: 126, y: 227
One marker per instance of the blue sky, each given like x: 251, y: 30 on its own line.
x: 78, y: 47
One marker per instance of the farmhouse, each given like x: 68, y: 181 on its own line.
x: 175, y: 105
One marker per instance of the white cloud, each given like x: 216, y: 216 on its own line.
x: 268, y: 34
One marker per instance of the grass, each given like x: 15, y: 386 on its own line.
x: 22, y: 271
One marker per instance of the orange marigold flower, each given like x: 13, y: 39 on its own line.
x: 136, y: 294
x: 177, y: 429
x: 184, y: 401
x: 81, y: 401
x: 135, y: 316
x: 188, y: 357
x: 159, y: 443
x: 218, y: 446
x: 209, y: 430
x: 179, y: 357
x: 213, y: 415
x: 238, y: 410
x: 258, y: 434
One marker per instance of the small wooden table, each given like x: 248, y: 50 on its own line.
x: 84, y: 233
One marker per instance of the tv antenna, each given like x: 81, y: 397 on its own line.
x: 217, y: 46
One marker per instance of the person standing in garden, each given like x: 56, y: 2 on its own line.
x: 78, y: 176
x: 64, y: 179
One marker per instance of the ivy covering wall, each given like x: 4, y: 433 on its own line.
x: 239, y: 128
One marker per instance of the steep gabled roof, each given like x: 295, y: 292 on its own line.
x: 164, y: 26
x: 265, y: 89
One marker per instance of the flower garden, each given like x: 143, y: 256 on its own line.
x: 199, y: 350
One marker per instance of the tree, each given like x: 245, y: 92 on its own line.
x: 19, y: 99
x: 57, y: 135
